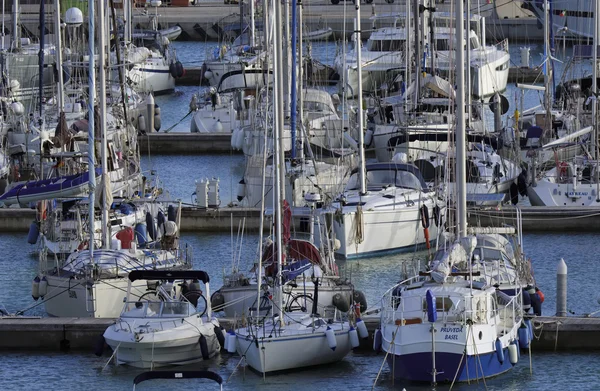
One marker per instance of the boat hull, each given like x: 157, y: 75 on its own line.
x: 176, y: 346
x: 73, y: 298
x: 383, y: 231
x: 418, y: 366
x: 272, y: 354
x: 151, y: 77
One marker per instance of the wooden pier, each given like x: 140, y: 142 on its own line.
x: 84, y: 334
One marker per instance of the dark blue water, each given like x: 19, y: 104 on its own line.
x: 213, y: 253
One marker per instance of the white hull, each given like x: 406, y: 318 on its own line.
x: 292, y: 351
x: 176, y: 346
x: 383, y: 230
x: 546, y: 193
x: 152, y: 77
x: 71, y: 298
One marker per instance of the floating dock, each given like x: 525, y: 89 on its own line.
x: 84, y: 334
x: 535, y: 218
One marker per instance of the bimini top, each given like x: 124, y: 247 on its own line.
x: 177, y: 375
x: 170, y: 275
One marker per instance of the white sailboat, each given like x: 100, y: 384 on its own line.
x: 90, y: 283
x: 287, y: 341
x: 385, y: 207
x: 455, y: 322
x: 573, y: 182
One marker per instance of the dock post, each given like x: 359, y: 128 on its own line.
x: 561, y: 288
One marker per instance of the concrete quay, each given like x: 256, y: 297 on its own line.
x: 83, y: 334
x: 193, y: 219
x: 185, y: 143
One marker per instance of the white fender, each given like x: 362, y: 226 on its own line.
x: 362, y: 328
x: 331, y: 341
x: 353, y: 334
x: 43, y: 287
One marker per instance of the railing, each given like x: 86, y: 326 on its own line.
x: 450, y: 308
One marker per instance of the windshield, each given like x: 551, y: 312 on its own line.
x: 377, y: 179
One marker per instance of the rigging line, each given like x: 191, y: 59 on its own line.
x: 45, y: 300
x: 478, y: 360
x: 462, y: 358
x: 386, y: 355
x: 180, y: 121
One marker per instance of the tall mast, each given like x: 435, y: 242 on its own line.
x: 57, y: 34
x: 461, y: 166
x: 91, y: 99
x: 102, y: 91
x: 547, y: 71
x: 278, y: 150
x: 595, y: 92
x: 41, y: 59
x: 294, y: 84
x: 361, y: 136
x: 16, y: 36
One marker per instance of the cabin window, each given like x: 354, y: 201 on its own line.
x: 502, y: 67
x: 442, y: 303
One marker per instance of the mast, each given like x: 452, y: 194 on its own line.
x: 252, y: 27
x: 547, y: 71
x: 595, y: 93
x: 41, y: 61
x: 461, y: 166
x: 57, y: 33
x: 91, y: 99
x: 278, y: 152
x: 418, y: 41
x: 16, y: 37
x: 301, y: 78
x: 294, y: 84
x: 361, y: 136
x: 102, y: 91
x: 468, y: 59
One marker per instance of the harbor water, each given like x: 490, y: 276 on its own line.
x: 29, y: 370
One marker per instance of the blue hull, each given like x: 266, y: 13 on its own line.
x: 418, y: 367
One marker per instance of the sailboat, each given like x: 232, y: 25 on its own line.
x: 385, y: 207
x: 572, y: 182
x: 91, y: 282
x: 460, y: 320
x: 284, y: 341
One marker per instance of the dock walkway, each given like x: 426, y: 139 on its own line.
x: 84, y: 334
x: 535, y: 218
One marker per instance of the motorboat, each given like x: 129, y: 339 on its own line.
x: 164, y: 328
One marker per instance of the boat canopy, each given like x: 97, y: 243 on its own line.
x: 178, y: 375
x: 169, y: 275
